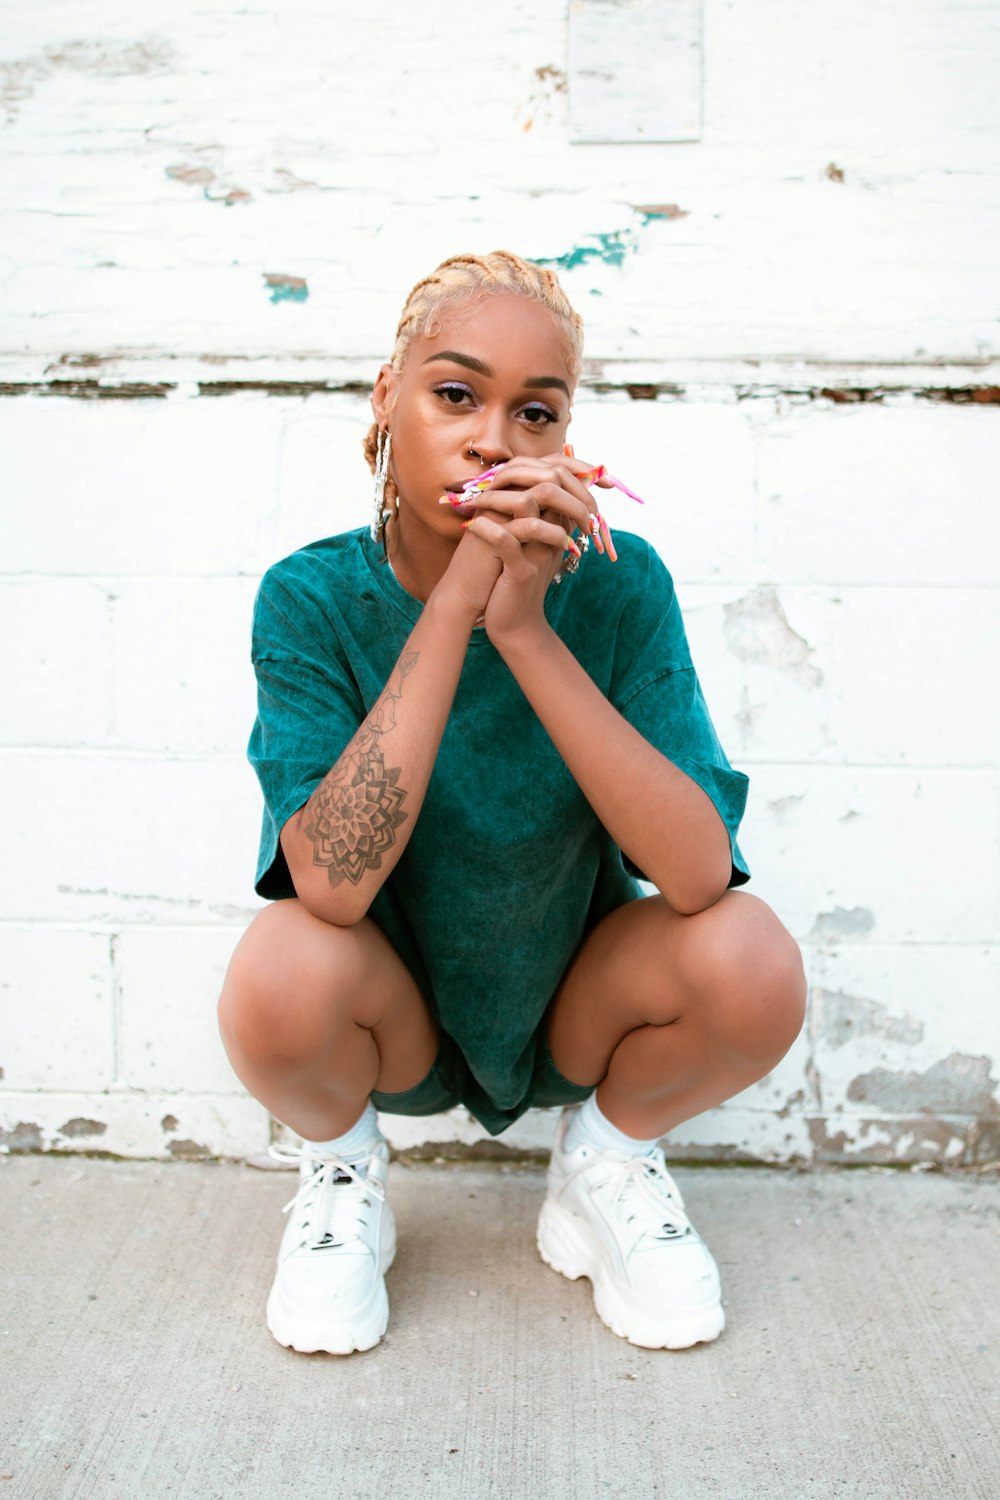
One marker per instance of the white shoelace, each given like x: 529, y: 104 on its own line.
x: 651, y: 1199
x: 330, y: 1202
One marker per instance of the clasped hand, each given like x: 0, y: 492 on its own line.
x: 517, y: 536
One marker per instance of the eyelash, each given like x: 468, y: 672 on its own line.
x: 547, y: 415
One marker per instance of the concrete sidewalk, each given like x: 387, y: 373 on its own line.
x: 861, y: 1358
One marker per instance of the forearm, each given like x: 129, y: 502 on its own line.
x: 658, y: 816
x: 346, y: 840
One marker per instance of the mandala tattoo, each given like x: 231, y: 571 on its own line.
x: 354, y: 813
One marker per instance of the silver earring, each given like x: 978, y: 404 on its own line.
x: 382, y: 445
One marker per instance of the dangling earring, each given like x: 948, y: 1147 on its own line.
x: 382, y: 445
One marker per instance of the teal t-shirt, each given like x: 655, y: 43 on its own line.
x: 507, y: 868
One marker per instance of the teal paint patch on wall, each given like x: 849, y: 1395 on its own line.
x: 611, y: 249
x: 286, y: 288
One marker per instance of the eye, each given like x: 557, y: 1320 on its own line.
x: 537, y: 415
x: 453, y: 393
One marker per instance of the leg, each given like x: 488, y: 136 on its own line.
x: 314, y: 1017
x: 669, y: 1015
x: 666, y: 1016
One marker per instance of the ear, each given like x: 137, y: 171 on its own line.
x: 384, y: 395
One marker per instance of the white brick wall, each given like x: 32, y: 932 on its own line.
x: 836, y: 559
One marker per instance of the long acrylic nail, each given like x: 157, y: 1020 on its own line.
x: 571, y: 546
x: 608, y: 543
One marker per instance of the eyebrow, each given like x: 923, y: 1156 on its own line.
x: 533, y: 383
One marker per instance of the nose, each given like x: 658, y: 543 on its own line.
x: 491, y: 441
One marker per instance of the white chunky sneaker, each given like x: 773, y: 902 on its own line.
x: 620, y: 1221
x: 340, y: 1239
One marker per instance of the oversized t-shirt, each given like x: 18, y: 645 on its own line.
x: 507, y: 867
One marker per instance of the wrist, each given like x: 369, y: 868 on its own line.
x: 525, y: 641
x: 454, y: 613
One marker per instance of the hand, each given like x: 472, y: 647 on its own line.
x: 526, y: 518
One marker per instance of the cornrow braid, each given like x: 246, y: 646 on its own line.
x: 463, y: 276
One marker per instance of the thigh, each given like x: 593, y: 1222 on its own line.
x: 732, y: 971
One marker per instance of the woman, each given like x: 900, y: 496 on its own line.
x: 473, y: 734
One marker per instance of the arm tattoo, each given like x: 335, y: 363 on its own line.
x: 355, y: 811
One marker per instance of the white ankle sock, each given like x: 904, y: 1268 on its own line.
x: 355, y: 1143
x: 590, y: 1127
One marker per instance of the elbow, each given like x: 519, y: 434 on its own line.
x: 696, y: 891
x: 691, y: 900
x: 338, y: 908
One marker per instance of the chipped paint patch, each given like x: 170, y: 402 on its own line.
x: 958, y: 1084
x: 653, y: 211
x: 843, y: 922
x: 231, y: 196
x: 20, y: 77
x: 286, y: 288
x: 199, y: 176
x: 77, y: 1127
x: 846, y: 1018
x: 894, y: 1142
x: 169, y: 1123
x: 611, y: 249
x: 189, y: 1150
x: 756, y: 629
x: 24, y: 1136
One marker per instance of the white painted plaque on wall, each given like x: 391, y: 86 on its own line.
x: 635, y: 70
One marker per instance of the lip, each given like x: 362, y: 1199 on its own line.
x: 456, y: 489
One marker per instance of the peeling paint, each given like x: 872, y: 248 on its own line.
x: 199, y: 176
x: 958, y: 1084
x: 286, y: 288
x: 756, y: 629
x: 651, y: 211
x: 79, y: 1126
x: 781, y: 805
x: 20, y: 77
x: 25, y: 1136
x: 189, y: 1150
x: 169, y: 1122
x: 842, y: 922
x: 240, y: 195
x: 888, y: 1142
x: 553, y: 76
x: 844, y: 1018
x: 610, y: 248
x: 746, y: 717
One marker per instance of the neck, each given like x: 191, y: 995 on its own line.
x: 419, y: 557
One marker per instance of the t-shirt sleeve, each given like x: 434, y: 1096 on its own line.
x: 308, y: 709
x: 656, y: 689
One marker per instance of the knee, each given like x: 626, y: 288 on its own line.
x: 756, y: 973
x: 281, y: 985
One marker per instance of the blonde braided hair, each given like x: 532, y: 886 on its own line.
x: 461, y: 277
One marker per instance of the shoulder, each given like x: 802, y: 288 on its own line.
x: 330, y: 557
x: 638, y: 578
x: 303, y: 591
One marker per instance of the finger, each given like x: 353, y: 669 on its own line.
x: 498, y: 538
x: 509, y: 539
x: 561, y: 494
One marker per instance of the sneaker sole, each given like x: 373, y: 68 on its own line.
x: 562, y: 1247
x: 307, y: 1335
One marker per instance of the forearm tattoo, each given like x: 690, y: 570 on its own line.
x: 352, y: 816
